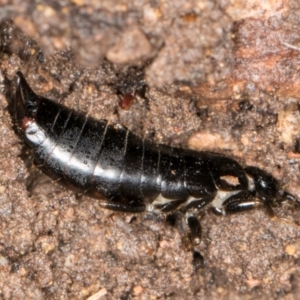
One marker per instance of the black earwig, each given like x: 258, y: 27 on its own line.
x: 110, y: 163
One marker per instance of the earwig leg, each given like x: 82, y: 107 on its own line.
x: 240, y: 205
x: 197, y: 203
x: 195, y: 229
x: 196, y: 232
x: 133, y: 207
x: 175, y: 220
x: 170, y: 206
x: 198, y: 260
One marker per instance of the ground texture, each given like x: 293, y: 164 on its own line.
x: 222, y: 76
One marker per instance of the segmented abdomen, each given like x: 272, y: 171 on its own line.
x: 96, y: 157
x: 110, y: 161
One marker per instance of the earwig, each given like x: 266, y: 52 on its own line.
x: 125, y: 173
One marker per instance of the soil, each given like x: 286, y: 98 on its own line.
x: 220, y: 76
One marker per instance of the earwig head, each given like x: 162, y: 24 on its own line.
x: 266, y: 186
x: 26, y: 101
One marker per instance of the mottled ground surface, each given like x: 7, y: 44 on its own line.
x: 216, y: 76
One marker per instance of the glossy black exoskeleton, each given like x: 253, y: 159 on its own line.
x: 110, y: 163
